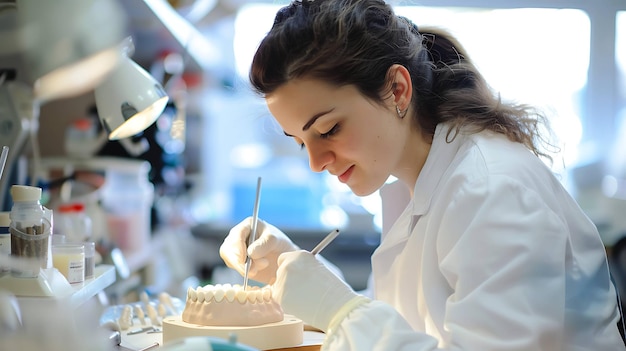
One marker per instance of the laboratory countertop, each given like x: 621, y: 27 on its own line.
x: 104, y: 275
x: 312, y: 341
x: 56, y: 287
x: 144, y: 331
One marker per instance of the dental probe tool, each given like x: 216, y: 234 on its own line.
x: 3, y: 159
x: 327, y: 240
x: 252, y: 238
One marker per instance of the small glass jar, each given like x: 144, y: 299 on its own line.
x: 69, y: 259
x: 90, y: 259
x: 30, y: 228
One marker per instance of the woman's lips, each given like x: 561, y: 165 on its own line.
x: 346, y: 175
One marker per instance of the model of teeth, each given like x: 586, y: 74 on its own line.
x: 140, y: 315
x: 230, y: 293
x: 222, y: 305
x: 126, y: 318
x: 166, y: 300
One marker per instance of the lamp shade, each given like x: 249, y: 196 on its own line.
x: 70, y: 45
x: 129, y: 100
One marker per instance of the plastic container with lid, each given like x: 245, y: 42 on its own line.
x: 27, y: 211
x: 31, y: 228
x: 127, y: 197
x: 71, y: 220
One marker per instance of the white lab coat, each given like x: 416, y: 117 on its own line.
x: 491, y: 253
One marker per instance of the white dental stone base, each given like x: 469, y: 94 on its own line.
x: 283, y: 334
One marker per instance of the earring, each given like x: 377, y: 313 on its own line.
x: 401, y: 113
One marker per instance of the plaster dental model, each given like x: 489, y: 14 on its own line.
x: 231, y: 305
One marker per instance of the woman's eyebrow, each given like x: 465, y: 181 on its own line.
x: 314, y: 118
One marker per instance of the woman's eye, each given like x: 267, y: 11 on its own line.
x: 331, y: 132
x: 326, y: 135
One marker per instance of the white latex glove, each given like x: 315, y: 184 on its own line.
x: 307, y: 289
x: 264, y: 251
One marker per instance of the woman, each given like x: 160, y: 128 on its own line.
x: 491, y: 252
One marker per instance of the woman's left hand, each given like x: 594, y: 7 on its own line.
x: 307, y: 289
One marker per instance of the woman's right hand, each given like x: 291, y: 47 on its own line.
x: 264, y: 251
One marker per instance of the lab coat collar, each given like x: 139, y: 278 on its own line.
x: 440, y: 157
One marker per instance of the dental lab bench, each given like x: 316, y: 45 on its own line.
x: 148, y: 340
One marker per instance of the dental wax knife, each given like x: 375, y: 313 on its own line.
x: 327, y: 240
x: 252, y: 237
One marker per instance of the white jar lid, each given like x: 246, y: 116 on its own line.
x: 25, y: 193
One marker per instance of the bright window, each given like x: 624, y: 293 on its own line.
x: 544, y: 64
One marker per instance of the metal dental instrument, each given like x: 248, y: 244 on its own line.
x: 327, y: 240
x: 252, y: 238
x: 140, y: 330
x: 3, y: 159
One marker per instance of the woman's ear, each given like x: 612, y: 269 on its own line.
x: 401, y: 86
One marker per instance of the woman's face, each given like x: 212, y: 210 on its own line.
x: 356, y: 140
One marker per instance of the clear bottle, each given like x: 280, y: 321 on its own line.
x: 72, y: 221
x: 127, y: 198
x: 30, y: 228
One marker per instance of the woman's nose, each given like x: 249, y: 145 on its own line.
x: 319, y: 157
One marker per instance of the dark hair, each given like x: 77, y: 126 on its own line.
x: 355, y: 42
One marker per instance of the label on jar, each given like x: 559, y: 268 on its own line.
x: 89, y: 267
x: 71, y: 265
x: 5, y: 244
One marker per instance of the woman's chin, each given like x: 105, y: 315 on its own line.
x: 362, y: 191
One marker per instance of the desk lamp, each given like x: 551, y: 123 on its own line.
x: 129, y: 100
x: 54, y: 49
x: 63, y: 48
